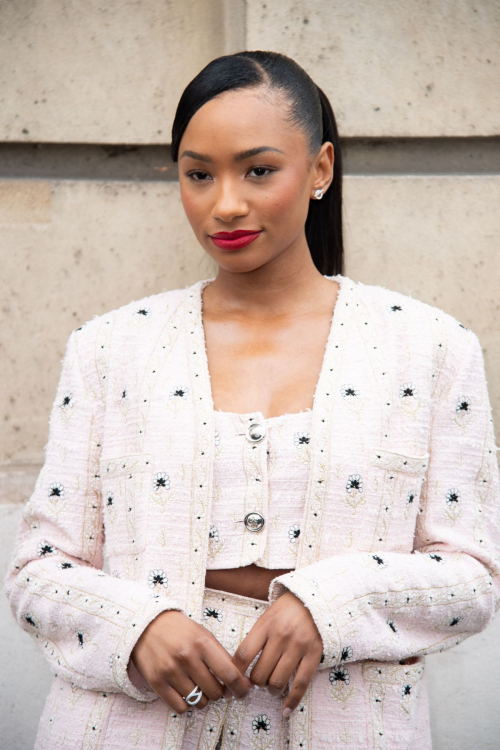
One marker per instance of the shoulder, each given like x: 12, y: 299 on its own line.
x: 95, y: 340
x: 402, y: 318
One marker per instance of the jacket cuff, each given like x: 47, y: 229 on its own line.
x: 308, y: 592
x: 128, y: 678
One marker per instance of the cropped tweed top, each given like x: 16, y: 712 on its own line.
x: 261, y: 470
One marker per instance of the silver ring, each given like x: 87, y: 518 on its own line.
x: 194, y: 696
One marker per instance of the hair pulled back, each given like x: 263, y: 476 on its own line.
x: 309, y: 110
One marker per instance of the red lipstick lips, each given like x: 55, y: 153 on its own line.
x: 234, y: 240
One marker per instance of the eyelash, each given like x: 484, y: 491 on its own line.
x: 200, y: 171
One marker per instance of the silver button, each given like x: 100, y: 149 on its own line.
x: 254, y: 521
x: 256, y: 432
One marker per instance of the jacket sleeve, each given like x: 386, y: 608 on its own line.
x: 85, y: 621
x: 389, y: 606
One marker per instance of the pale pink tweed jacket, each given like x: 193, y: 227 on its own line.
x: 399, y: 542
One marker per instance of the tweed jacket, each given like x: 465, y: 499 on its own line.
x: 399, y: 547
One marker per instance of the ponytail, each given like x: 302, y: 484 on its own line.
x: 324, y: 220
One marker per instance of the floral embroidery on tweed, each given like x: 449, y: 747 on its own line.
x: 293, y: 533
x: 464, y: 413
x: 157, y: 578
x: 178, y: 397
x: 55, y: 502
x: 44, y: 548
x: 141, y: 316
x: 351, y: 398
x: 161, y: 494
x: 453, y: 504
x: 340, y: 689
x: 209, y: 612
x: 409, y: 399
x: 354, y: 489
x: 29, y: 619
x: 261, y: 723
x: 65, y: 565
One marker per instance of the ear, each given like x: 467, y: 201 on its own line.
x: 323, y: 168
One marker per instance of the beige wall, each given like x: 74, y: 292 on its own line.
x: 111, y: 73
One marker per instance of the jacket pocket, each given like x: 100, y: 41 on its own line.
x: 126, y: 483
x: 395, y: 483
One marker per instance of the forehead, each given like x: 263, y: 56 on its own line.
x: 237, y: 119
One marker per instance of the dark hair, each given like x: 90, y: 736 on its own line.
x: 310, y: 110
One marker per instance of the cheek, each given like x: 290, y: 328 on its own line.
x: 281, y: 204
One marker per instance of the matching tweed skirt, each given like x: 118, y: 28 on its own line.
x: 255, y: 721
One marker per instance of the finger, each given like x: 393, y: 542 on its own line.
x: 267, y: 662
x: 185, y: 685
x: 249, y: 647
x: 203, y: 677
x: 173, y: 698
x: 218, y: 660
x: 286, y: 666
x: 304, y: 675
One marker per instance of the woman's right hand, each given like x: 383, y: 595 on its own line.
x: 174, y: 654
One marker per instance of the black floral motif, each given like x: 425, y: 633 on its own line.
x: 380, y: 561
x: 213, y: 533
x: 144, y: 312
x: 212, y: 612
x: 339, y: 674
x: 392, y: 626
x: 124, y: 393
x: 179, y: 391
x: 65, y: 565
x: 110, y: 498
x: 81, y: 641
x: 354, y: 483
x: 261, y: 722
x: 293, y: 533
x: 44, y: 548
x: 28, y: 617
x: 408, y: 390
x: 56, y: 489
x: 395, y: 308
x: 463, y: 404
x: 455, y: 620
x: 346, y: 653
x: 157, y: 577
x: 406, y: 690
x: 453, y: 497
x: 67, y: 402
x: 161, y: 481
x: 301, y: 438
x: 436, y: 557
x: 410, y: 498
x: 349, y: 391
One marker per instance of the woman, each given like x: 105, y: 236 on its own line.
x: 294, y: 474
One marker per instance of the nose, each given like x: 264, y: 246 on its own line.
x: 229, y: 202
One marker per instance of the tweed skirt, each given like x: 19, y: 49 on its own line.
x: 252, y: 722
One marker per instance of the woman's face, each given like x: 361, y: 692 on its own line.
x: 224, y: 190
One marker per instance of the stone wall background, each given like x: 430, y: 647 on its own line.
x: 88, y: 195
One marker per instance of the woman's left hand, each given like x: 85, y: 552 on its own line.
x: 288, y: 637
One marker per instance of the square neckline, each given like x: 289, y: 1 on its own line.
x: 342, y: 282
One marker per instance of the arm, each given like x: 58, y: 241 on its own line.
x: 391, y: 605
x: 85, y: 621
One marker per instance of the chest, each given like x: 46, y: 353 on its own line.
x: 273, y: 366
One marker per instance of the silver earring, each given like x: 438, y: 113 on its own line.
x: 318, y: 194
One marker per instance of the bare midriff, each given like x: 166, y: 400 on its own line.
x: 251, y: 580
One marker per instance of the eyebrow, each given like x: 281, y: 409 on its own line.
x: 237, y: 157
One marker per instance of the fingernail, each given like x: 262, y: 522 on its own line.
x: 227, y: 693
x: 287, y: 712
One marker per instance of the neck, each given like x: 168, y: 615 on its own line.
x: 288, y: 284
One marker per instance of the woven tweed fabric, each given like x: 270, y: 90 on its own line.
x: 399, y: 544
